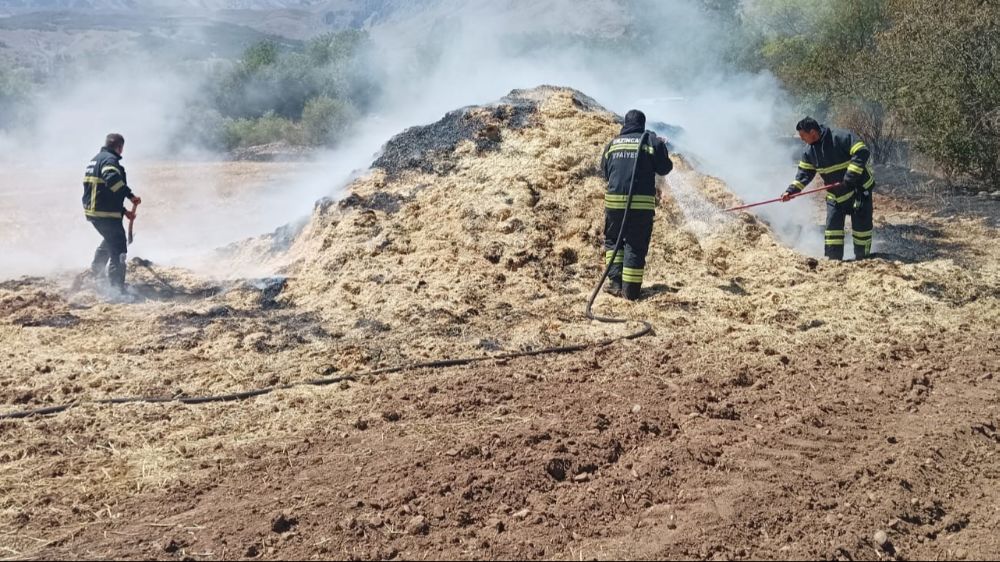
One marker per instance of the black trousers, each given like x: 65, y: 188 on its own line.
x: 111, y: 253
x: 630, y: 263
x: 860, y: 209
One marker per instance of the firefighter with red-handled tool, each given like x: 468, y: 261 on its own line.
x: 842, y: 159
x: 105, y: 190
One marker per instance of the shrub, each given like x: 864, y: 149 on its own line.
x: 326, y: 120
x: 266, y: 129
x: 942, y: 61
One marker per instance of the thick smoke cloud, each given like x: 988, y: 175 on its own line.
x: 667, y: 58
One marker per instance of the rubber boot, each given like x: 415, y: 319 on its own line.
x: 631, y: 291
x: 614, y: 287
x: 833, y: 252
x: 116, y: 272
x: 98, y: 267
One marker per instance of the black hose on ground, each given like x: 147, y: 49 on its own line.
x: 237, y: 396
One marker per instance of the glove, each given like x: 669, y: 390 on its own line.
x: 137, y: 200
x: 859, y: 198
x: 788, y: 194
x: 852, y: 180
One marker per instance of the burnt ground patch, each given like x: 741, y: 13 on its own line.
x: 911, y: 243
x: 426, y: 148
x: 58, y: 320
x: 940, y: 198
x: 262, y: 330
x: 381, y: 201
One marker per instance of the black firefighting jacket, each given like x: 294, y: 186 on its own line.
x: 618, y: 160
x: 105, y: 187
x: 839, y: 157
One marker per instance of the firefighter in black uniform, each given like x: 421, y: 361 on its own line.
x: 617, y: 162
x: 105, y: 189
x: 839, y: 157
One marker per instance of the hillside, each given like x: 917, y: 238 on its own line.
x: 39, y: 33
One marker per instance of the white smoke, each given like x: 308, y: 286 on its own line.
x: 432, y: 57
x: 735, y: 125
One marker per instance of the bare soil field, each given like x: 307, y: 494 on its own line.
x: 783, y: 408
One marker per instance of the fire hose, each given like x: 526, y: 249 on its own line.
x: 353, y: 377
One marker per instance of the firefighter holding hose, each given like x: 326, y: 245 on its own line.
x: 624, y: 155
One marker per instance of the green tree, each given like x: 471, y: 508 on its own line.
x: 318, y: 88
x: 266, y: 129
x: 260, y: 55
x: 818, y: 48
x: 326, y: 120
x: 942, y: 64
x: 331, y: 48
x: 824, y: 52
